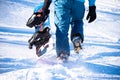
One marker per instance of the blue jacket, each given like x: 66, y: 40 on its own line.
x: 91, y: 2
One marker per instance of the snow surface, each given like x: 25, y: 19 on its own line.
x: 99, y: 59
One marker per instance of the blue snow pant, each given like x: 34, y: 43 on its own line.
x: 67, y: 12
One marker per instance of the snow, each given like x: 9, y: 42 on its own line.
x: 99, y: 59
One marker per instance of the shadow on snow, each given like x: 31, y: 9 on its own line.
x: 10, y: 64
x: 91, y: 41
x: 16, y: 30
x: 104, y: 69
x: 28, y: 3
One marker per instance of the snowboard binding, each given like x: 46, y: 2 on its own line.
x: 39, y: 39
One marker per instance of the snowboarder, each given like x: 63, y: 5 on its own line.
x: 41, y: 23
x: 68, y: 12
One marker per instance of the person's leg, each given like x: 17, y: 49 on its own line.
x: 62, y: 21
x: 77, y: 13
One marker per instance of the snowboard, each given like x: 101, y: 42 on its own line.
x: 42, y: 34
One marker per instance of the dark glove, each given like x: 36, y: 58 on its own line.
x: 45, y: 12
x: 42, y: 12
x: 91, y: 14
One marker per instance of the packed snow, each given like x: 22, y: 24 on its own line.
x: 99, y: 59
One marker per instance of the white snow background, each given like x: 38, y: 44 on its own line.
x: 99, y: 59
